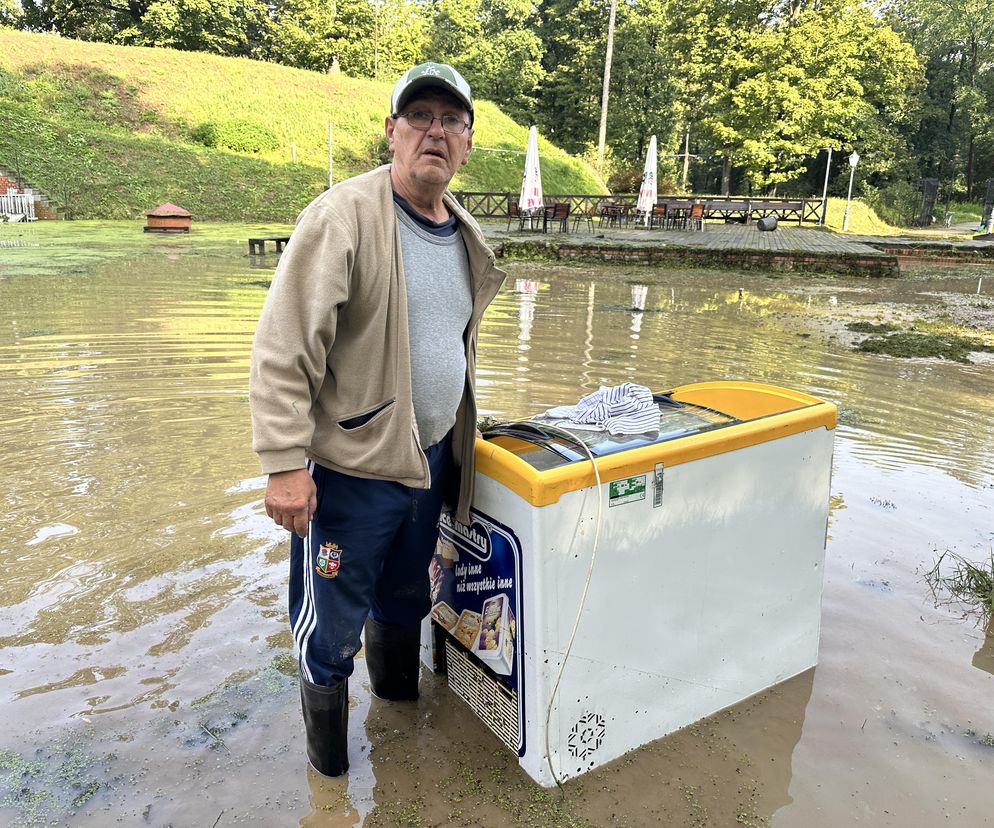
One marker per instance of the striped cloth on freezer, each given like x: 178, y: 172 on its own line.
x: 620, y: 409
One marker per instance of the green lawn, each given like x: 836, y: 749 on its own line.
x: 109, y: 131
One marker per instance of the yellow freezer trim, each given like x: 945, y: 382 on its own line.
x: 769, y: 412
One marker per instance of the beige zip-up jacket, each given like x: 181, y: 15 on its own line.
x: 331, y: 368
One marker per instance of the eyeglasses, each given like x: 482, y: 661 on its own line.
x: 419, y: 119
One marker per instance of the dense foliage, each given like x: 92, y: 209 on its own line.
x: 237, y: 134
x: 744, y: 95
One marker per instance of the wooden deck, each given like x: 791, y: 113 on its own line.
x: 722, y: 245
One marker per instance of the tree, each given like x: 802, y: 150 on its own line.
x: 98, y: 20
x: 643, y: 101
x: 775, y: 86
x: 11, y: 13
x: 305, y: 33
x: 956, y: 38
x: 225, y: 27
x: 492, y: 44
x: 574, y: 40
x: 400, y: 33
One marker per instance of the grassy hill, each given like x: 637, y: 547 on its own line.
x: 111, y: 131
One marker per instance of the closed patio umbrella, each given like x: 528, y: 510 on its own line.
x: 531, y: 201
x: 647, y: 192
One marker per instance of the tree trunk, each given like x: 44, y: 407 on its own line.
x: 686, y: 158
x: 136, y: 10
x: 726, y: 175
x: 952, y: 105
x: 973, y: 84
x: 969, y: 170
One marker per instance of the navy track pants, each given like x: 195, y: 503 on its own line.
x: 367, y: 552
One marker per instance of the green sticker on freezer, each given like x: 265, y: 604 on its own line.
x: 627, y: 490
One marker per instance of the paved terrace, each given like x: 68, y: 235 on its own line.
x: 735, y: 245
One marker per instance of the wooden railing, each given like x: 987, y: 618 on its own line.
x: 17, y: 205
x: 495, y: 205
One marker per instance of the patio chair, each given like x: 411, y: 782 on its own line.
x: 514, y: 214
x: 587, y: 215
x: 695, y: 218
x: 657, y: 218
x: 678, y: 215
x: 559, y: 215
x: 614, y: 214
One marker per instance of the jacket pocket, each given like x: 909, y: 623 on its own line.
x: 363, y: 419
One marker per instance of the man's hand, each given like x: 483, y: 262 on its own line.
x: 291, y: 500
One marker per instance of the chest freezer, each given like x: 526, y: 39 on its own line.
x: 705, y: 586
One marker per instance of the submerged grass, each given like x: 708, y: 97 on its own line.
x: 940, y: 340
x: 871, y: 327
x: 917, y: 346
x: 955, y: 580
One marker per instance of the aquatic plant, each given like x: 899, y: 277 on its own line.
x: 871, y: 327
x: 916, y: 345
x: 964, y: 583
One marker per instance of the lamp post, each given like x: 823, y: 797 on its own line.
x: 824, y: 192
x: 853, y: 161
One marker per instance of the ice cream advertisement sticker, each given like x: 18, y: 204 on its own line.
x: 475, y: 580
x: 627, y: 490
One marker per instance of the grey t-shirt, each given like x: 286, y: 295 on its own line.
x: 439, y: 307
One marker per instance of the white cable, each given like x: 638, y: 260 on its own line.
x: 586, y: 584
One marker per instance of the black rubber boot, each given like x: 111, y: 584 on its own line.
x: 393, y: 658
x: 326, y: 722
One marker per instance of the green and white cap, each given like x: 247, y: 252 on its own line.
x: 439, y: 75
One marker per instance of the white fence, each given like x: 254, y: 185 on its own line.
x: 15, y: 206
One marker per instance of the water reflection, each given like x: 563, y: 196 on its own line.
x: 330, y: 803
x: 984, y: 657
x: 734, y: 764
x: 527, y: 291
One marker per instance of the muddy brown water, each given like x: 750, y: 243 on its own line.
x: 143, y: 644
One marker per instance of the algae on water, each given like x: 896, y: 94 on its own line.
x: 40, y: 790
x: 920, y: 345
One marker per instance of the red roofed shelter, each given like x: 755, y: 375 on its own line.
x: 167, y: 218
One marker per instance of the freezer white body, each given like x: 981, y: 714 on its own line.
x: 705, y: 589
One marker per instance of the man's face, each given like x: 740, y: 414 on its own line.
x: 428, y: 158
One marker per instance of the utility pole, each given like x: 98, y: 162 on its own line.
x: 853, y: 161
x: 686, y: 158
x: 331, y: 177
x: 602, y: 137
x: 824, y: 192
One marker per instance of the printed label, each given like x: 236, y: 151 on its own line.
x: 627, y: 491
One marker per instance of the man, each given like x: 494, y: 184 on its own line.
x: 363, y: 402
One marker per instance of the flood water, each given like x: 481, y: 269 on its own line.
x: 143, y: 644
